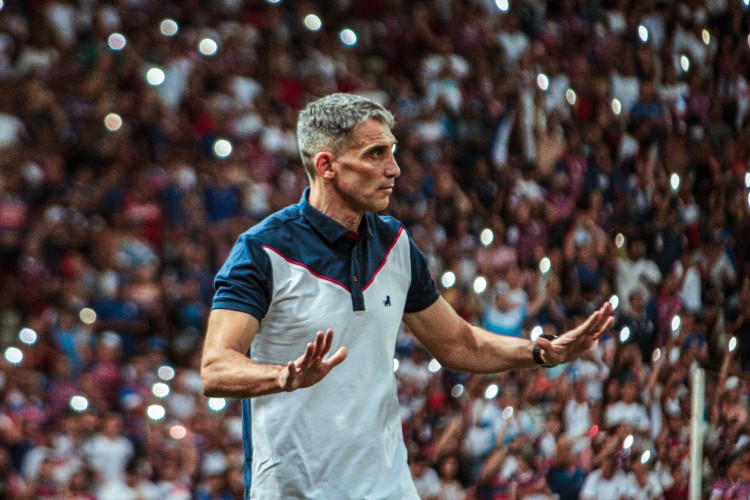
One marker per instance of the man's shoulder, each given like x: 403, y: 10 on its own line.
x: 384, y: 225
x: 275, y: 226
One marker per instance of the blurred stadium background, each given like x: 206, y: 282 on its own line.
x: 554, y: 155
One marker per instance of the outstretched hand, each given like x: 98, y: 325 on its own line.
x: 573, y: 343
x: 311, y: 368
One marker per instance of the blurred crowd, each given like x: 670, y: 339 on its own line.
x: 554, y: 155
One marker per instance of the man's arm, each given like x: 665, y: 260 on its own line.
x: 226, y: 371
x: 459, y: 346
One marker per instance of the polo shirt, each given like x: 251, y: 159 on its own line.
x: 299, y: 272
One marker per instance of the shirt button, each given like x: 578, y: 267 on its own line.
x: 355, y: 279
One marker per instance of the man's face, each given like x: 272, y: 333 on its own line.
x: 366, y: 171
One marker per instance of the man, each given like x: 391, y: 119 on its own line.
x: 330, y: 263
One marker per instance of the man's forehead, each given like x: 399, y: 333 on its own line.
x: 370, y: 132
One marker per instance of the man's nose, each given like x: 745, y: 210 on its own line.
x: 393, y: 169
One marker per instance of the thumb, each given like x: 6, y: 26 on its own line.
x: 547, y: 345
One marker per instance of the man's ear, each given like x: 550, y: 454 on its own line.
x: 324, y: 165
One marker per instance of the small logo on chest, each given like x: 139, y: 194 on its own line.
x: 387, y: 301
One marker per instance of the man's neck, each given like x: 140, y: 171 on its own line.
x: 334, y: 207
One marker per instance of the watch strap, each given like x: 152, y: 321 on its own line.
x: 536, y: 352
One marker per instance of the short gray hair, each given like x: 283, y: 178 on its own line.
x: 327, y: 124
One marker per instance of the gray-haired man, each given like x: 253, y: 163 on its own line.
x: 330, y: 263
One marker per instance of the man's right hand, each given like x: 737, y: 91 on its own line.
x: 311, y: 368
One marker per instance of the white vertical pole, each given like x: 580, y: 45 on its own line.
x: 696, y: 434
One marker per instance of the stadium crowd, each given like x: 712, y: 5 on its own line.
x: 553, y: 155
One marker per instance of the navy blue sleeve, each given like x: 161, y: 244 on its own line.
x: 244, y: 282
x: 423, y: 292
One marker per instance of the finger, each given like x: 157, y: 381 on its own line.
x: 327, y: 341
x: 598, y: 322
x: 291, y: 370
x: 303, y: 362
x: 336, y: 358
x: 606, y: 326
x: 548, y: 346
x: 588, y: 324
x: 319, y: 342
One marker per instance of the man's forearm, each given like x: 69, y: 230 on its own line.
x: 480, y: 351
x: 232, y: 375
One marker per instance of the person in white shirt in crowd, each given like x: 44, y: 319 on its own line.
x: 109, y: 451
x: 644, y: 483
x: 426, y: 479
x: 577, y: 417
x: 627, y: 410
x: 606, y: 483
x: 634, y: 271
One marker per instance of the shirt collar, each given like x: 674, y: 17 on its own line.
x: 327, y: 227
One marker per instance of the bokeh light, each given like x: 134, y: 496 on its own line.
x: 685, y: 63
x: 348, y: 37
x: 156, y: 412
x: 155, y: 76
x: 491, y: 391
x: 13, y: 355
x: 674, y: 181
x: 706, y: 37
x: 313, y: 22
x: 507, y: 412
x: 627, y: 442
x: 571, y: 97
x: 614, y: 300
x: 165, y: 373
x: 645, y: 456
x: 208, y: 47
x: 217, y: 404
x: 545, y: 265
x: 676, y: 321
x: 616, y: 106
x: 116, y: 41
x: 113, y: 122
x: 480, y: 284
x: 177, y: 432
x: 160, y: 390
x: 457, y: 390
x: 448, y: 279
x: 222, y: 148
x: 169, y: 27
x: 542, y: 81
x: 486, y: 236
x: 643, y: 33
x: 619, y: 240
x: 503, y: 5
x: 28, y: 336
x: 79, y: 403
x: 624, y: 334
x: 535, y: 333
x: 396, y: 364
x: 732, y: 344
x: 434, y: 366
x: 87, y: 315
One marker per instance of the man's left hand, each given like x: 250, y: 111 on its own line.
x: 571, y: 344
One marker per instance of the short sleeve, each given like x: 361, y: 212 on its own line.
x: 422, y: 292
x: 245, y: 281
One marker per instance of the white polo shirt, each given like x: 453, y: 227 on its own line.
x: 299, y: 272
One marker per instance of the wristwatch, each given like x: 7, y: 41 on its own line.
x: 536, y: 351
